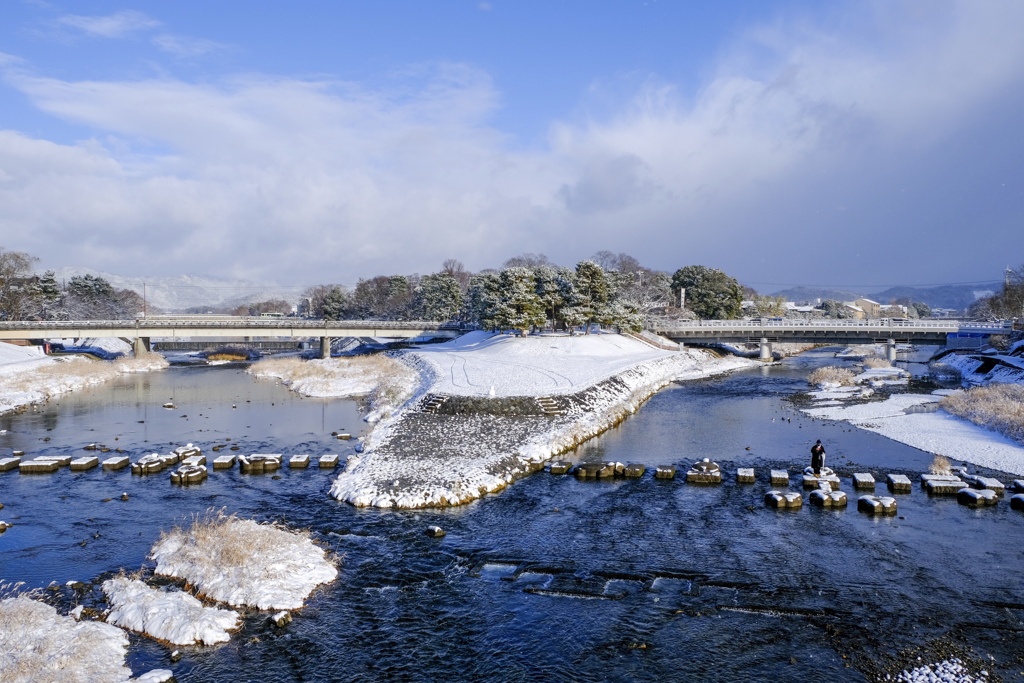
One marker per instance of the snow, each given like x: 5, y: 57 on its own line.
x: 414, y: 460
x: 477, y: 362
x: 936, y: 432
x: 242, y: 563
x: 27, y: 376
x: 172, y: 616
x: 949, y: 671
x: 38, y: 644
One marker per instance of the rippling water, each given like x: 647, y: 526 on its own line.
x: 552, y: 579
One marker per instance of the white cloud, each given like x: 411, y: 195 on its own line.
x: 116, y: 25
x: 303, y: 180
x: 184, y: 47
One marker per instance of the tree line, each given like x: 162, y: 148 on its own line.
x: 530, y: 292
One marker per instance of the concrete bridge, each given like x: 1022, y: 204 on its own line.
x: 142, y: 330
x: 821, y: 331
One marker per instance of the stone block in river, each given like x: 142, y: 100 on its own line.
x: 344, y: 436
x: 899, y: 483
x: 665, y: 472
x: 704, y: 472
x: 194, y: 460
x: 223, y: 462
x: 560, y: 467
x: 38, y: 466
x: 259, y: 463
x: 61, y: 460
x: 618, y: 468
x: 784, y: 500
x: 149, y: 464
x: 4, y: 526
x: 944, y: 487
x: 594, y: 470
x: 187, y: 451
x: 812, y: 482
x: 83, y: 464
x: 828, y: 498
x: 990, y: 484
x: 780, y: 478
x: 977, y: 497
x: 1017, y: 501
x: 877, y: 505
x: 926, y: 477
x: 7, y: 464
x: 634, y: 470
x: 189, y: 474
x: 117, y: 462
x: 299, y: 462
x: 1017, y: 486
x: 328, y: 461
x: 864, y: 480
x: 745, y: 475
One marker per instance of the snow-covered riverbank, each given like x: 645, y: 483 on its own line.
x: 419, y: 459
x: 27, y: 376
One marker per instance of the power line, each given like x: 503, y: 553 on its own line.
x: 834, y: 286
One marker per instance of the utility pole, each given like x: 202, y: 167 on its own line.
x: 145, y: 308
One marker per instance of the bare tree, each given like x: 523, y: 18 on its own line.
x: 526, y: 260
x: 15, y: 293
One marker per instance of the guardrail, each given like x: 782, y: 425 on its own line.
x: 266, y: 323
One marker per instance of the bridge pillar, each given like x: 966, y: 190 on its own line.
x: 325, y: 347
x: 890, y: 350
x: 766, y: 351
x: 141, y: 346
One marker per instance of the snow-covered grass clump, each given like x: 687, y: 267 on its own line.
x: 387, y: 381
x: 37, y: 644
x: 999, y: 407
x: 242, y: 563
x: 831, y: 376
x: 172, y: 616
x: 23, y: 384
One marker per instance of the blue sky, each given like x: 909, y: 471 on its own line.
x: 855, y: 144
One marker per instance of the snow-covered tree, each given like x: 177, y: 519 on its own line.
x: 438, y: 297
x: 519, y: 307
x: 592, y: 293
x: 710, y: 293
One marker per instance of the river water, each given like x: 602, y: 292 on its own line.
x: 553, y: 579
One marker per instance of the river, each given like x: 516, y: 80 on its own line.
x: 553, y: 579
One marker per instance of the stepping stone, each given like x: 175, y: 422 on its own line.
x: 665, y: 472
x: 61, y: 460
x: 224, y: 462
x: 259, y: 463
x: 704, y: 472
x: 745, y: 475
x: 299, y: 462
x: 187, y: 451
x: 864, y: 480
x: 1017, y: 502
x: 618, y: 468
x: 4, y: 526
x: 560, y: 467
x: 83, y: 464
x: 38, y: 466
x: 7, y: 464
x: 877, y: 505
x: 194, y: 460
x: 634, y: 470
x: 899, y: 483
x: 780, y: 478
x: 594, y: 470
x: 925, y: 478
x: 944, y: 487
x: 118, y: 462
x: 189, y: 474
x: 1017, y: 486
x: 149, y: 464
x: 329, y: 461
x: 344, y: 436
x: 811, y: 481
x: 828, y: 498
x: 991, y: 484
x: 784, y: 500
x: 977, y: 497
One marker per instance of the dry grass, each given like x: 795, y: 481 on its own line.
x: 940, y: 465
x: 876, y: 363
x: 831, y: 375
x: 225, y: 540
x: 999, y: 407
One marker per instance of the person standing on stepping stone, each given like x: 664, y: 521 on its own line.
x: 817, y: 457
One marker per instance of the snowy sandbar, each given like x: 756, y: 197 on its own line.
x: 172, y: 616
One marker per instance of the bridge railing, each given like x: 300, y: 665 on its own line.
x: 249, y: 323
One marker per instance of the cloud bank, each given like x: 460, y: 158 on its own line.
x: 856, y: 150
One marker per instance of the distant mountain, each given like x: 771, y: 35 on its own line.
x: 813, y: 295
x: 945, y: 296
x: 178, y: 293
